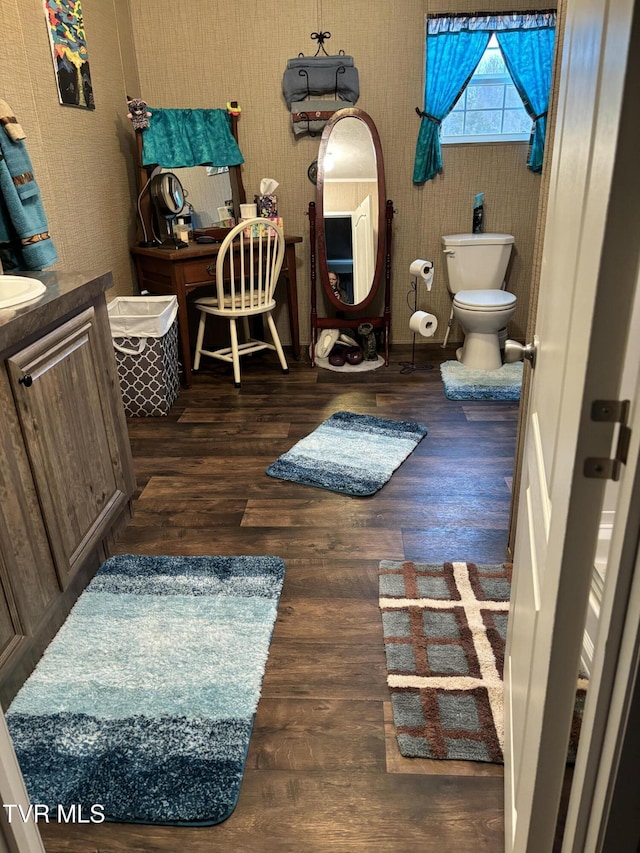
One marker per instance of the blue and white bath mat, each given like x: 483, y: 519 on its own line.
x: 142, y: 707
x: 465, y: 383
x: 349, y: 453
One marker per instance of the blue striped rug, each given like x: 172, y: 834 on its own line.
x: 464, y: 383
x: 349, y: 453
x: 142, y: 706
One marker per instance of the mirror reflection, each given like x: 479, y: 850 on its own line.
x: 207, y: 193
x: 338, y: 291
x: 350, y: 209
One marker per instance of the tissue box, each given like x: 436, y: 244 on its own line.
x: 267, y: 205
x: 259, y: 230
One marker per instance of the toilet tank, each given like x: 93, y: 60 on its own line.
x: 476, y: 261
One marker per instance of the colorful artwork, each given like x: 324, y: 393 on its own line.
x: 69, y: 51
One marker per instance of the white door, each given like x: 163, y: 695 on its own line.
x: 363, y: 251
x: 586, y: 294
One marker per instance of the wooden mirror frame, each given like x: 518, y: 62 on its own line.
x: 323, y: 268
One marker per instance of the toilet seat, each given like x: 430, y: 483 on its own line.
x: 484, y: 300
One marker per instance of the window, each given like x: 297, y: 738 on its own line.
x: 462, y: 48
x: 490, y: 108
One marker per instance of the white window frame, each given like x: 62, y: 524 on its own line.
x: 476, y: 138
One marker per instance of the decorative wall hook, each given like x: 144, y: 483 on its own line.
x: 321, y: 38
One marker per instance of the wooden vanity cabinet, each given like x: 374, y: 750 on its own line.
x: 69, y: 438
x: 66, y: 476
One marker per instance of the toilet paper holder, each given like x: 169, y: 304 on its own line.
x: 419, y: 270
x: 423, y: 270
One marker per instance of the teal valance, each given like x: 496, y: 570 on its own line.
x: 455, y: 23
x: 187, y: 137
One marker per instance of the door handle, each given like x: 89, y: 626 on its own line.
x: 514, y: 351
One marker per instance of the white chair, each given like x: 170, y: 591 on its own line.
x: 247, y: 272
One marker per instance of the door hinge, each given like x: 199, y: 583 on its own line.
x: 616, y: 412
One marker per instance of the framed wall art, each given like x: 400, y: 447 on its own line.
x: 69, y: 51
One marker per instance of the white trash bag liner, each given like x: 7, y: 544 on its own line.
x: 142, y: 316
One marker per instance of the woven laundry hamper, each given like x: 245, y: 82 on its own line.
x: 144, y: 330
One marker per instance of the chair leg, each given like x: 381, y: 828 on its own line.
x: 246, y: 329
x: 234, y: 351
x: 276, y: 342
x: 199, y: 340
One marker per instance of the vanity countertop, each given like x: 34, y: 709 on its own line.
x: 66, y: 292
x: 193, y: 250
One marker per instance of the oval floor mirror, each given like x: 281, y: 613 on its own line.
x: 350, y: 228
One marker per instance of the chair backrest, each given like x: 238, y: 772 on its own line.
x: 248, y: 266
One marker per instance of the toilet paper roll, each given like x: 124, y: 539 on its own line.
x: 248, y: 211
x: 421, y: 268
x: 423, y: 323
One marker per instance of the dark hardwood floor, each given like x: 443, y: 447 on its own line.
x: 323, y: 771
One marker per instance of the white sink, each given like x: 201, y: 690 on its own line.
x: 16, y: 289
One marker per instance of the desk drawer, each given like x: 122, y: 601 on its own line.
x: 200, y: 271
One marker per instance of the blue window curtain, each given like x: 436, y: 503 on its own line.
x: 455, y: 44
x: 528, y: 55
x: 452, y: 58
x: 186, y: 137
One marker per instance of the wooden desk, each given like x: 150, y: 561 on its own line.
x: 180, y: 271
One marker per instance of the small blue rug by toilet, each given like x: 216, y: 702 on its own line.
x: 349, y: 453
x: 143, y: 703
x: 465, y: 383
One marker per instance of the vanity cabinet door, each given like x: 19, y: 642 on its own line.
x: 8, y: 629
x: 70, y: 437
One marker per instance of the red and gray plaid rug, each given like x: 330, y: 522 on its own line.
x: 445, y: 628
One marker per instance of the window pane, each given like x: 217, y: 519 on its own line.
x: 491, y: 63
x: 485, y: 97
x: 511, y: 97
x: 453, y: 125
x: 460, y: 103
x: 490, y: 108
x: 516, y: 121
x: 482, y: 122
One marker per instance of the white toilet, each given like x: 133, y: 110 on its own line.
x: 476, y: 267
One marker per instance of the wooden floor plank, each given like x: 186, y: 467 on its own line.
x: 313, y: 735
x: 348, y: 513
x: 277, y: 541
x: 463, y: 543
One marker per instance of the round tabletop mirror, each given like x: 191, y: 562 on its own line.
x: 350, y: 204
x: 168, y: 199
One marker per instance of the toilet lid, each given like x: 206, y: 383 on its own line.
x: 481, y: 300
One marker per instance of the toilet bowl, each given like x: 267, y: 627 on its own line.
x: 482, y: 314
x: 476, y: 267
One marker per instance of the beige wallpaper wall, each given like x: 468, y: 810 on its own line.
x: 82, y: 159
x: 210, y: 53
x: 219, y: 52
